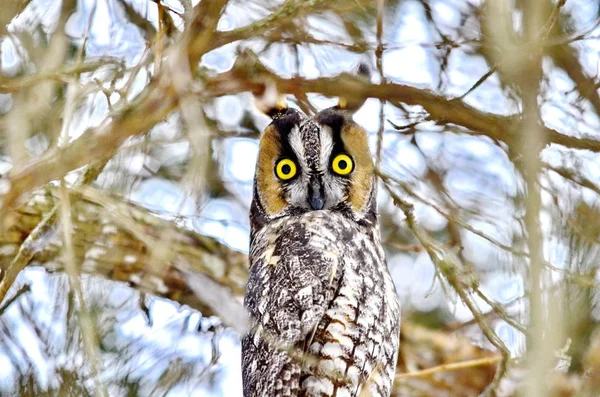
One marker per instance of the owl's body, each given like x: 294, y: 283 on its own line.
x: 324, y: 310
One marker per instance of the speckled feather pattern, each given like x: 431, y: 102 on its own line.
x: 325, y: 312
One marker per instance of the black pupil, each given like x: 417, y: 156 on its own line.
x: 286, y: 169
x: 342, y: 164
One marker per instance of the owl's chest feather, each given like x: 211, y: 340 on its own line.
x: 320, y: 284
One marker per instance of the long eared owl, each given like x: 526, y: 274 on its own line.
x: 324, y: 311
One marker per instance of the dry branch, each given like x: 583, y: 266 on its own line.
x: 158, y: 100
x: 152, y: 106
x: 104, y: 248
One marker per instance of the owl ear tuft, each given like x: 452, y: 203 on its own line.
x: 363, y: 75
x: 271, y: 102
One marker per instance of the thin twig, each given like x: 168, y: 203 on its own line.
x: 446, y: 265
x: 451, y: 218
x: 480, y: 362
x: 479, y: 82
x: 382, y: 101
x: 24, y: 289
x: 88, y: 331
x: 36, y: 239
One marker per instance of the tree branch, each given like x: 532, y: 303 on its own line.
x: 149, y: 108
x: 108, y: 249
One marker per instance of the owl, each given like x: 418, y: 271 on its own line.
x: 325, y: 315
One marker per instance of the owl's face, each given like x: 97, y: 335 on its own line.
x: 315, y: 164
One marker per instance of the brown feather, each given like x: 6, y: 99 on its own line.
x: 269, y: 188
x: 355, y: 142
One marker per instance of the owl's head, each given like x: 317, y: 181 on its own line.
x: 313, y: 164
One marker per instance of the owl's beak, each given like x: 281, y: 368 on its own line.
x: 315, y: 195
x: 316, y: 201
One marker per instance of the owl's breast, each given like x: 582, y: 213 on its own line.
x: 319, y: 284
x: 356, y: 341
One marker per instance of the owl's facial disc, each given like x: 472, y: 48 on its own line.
x: 314, y: 164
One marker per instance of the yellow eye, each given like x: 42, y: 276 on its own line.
x: 342, y: 164
x: 285, y: 169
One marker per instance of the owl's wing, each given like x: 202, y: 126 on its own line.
x: 292, y: 281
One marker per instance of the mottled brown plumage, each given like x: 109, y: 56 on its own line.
x: 325, y: 314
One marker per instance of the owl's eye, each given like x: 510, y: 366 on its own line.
x: 285, y: 169
x: 342, y: 164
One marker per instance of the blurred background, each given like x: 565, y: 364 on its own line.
x: 127, y: 152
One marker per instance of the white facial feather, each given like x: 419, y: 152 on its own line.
x: 326, y: 137
x: 295, y: 140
